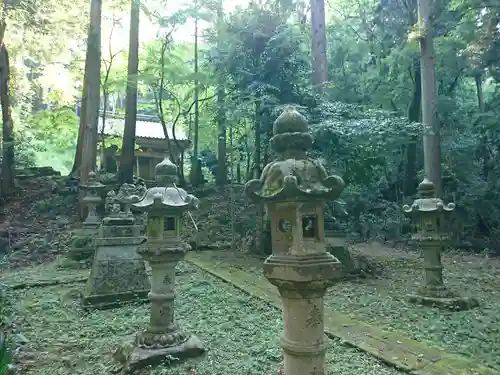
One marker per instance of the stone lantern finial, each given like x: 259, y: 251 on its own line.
x: 426, y: 189
x: 166, y: 171
x: 291, y: 137
x: 294, y: 189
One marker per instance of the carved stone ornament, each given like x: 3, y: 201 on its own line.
x: 292, y: 175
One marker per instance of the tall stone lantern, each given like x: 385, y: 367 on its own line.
x: 430, y: 215
x: 294, y: 190
x: 92, y: 199
x: 163, y: 249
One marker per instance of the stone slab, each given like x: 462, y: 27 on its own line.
x: 454, y: 304
x: 140, y: 358
x: 406, y: 354
x: 118, y: 276
x: 112, y: 300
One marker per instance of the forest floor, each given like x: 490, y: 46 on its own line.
x: 240, y: 332
x: 56, y: 338
x: 380, y: 300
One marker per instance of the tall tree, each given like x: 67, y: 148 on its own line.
x: 318, y: 47
x: 432, y: 139
x: 7, y: 183
x: 221, y: 177
x: 106, y: 85
x: 86, y: 149
x: 195, y: 168
x: 126, y: 169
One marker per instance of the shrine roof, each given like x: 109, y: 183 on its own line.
x: 144, y: 129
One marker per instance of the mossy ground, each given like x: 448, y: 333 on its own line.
x: 240, y: 332
x: 381, y: 301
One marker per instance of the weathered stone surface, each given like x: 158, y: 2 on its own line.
x: 354, y: 262
x: 118, y: 274
x: 433, y: 232
x: 92, y: 199
x: 294, y: 189
x: 453, y: 303
x: 136, y: 358
x: 81, y: 253
x: 163, y: 250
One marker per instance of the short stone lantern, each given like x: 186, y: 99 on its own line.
x: 432, y: 234
x: 294, y: 190
x: 92, y: 199
x: 163, y: 249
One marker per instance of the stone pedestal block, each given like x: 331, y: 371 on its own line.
x: 118, y: 274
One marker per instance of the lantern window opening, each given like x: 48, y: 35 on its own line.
x: 169, y: 224
x: 284, y: 226
x: 310, y: 227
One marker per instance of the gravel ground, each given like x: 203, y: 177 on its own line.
x: 240, y: 333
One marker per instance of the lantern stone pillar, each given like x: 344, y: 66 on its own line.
x: 92, y: 199
x: 163, y: 249
x: 118, y: 275
x: 294, y: 189
x: 432, y: 234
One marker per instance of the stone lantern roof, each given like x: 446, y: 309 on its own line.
x: 93, y: 182
x: 167, y: 198
x: 427, y: 201
x: 292, y: 176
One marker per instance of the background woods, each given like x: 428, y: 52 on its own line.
x: 104, y: 101
x: 213, y: 78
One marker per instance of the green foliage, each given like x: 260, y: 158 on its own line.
x: 259, y: 56
x: 82, y: 242
x: 49, y: 138
x: 6, y: 366
x: 6, y: 360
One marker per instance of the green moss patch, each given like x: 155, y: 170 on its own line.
x: 241, y: 333
x: 380, y: 303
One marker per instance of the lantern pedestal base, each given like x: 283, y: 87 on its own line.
x: 113, y: 300
x: 449, y: 303
x: 139, y: 358
x: 90, y: 228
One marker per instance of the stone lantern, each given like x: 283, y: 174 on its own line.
x: 163, y: 249
x: 92, y: 199
x: 294, y: 190
x: 432, y: 234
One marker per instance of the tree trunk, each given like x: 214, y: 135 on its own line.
x: 91, y: 114
x: 432, y: 139
x: 318, y: 44
x: 479, y: 92
x: 126, y: 169
x: 256, y: 157
x: 483, y: 145
x: 195, y: 168
x: 7, y: 185
x: 103, y: 128
x: 221, y: 177
x: 414, y: 113
x: 89, y: 109
x: 75, y: 170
